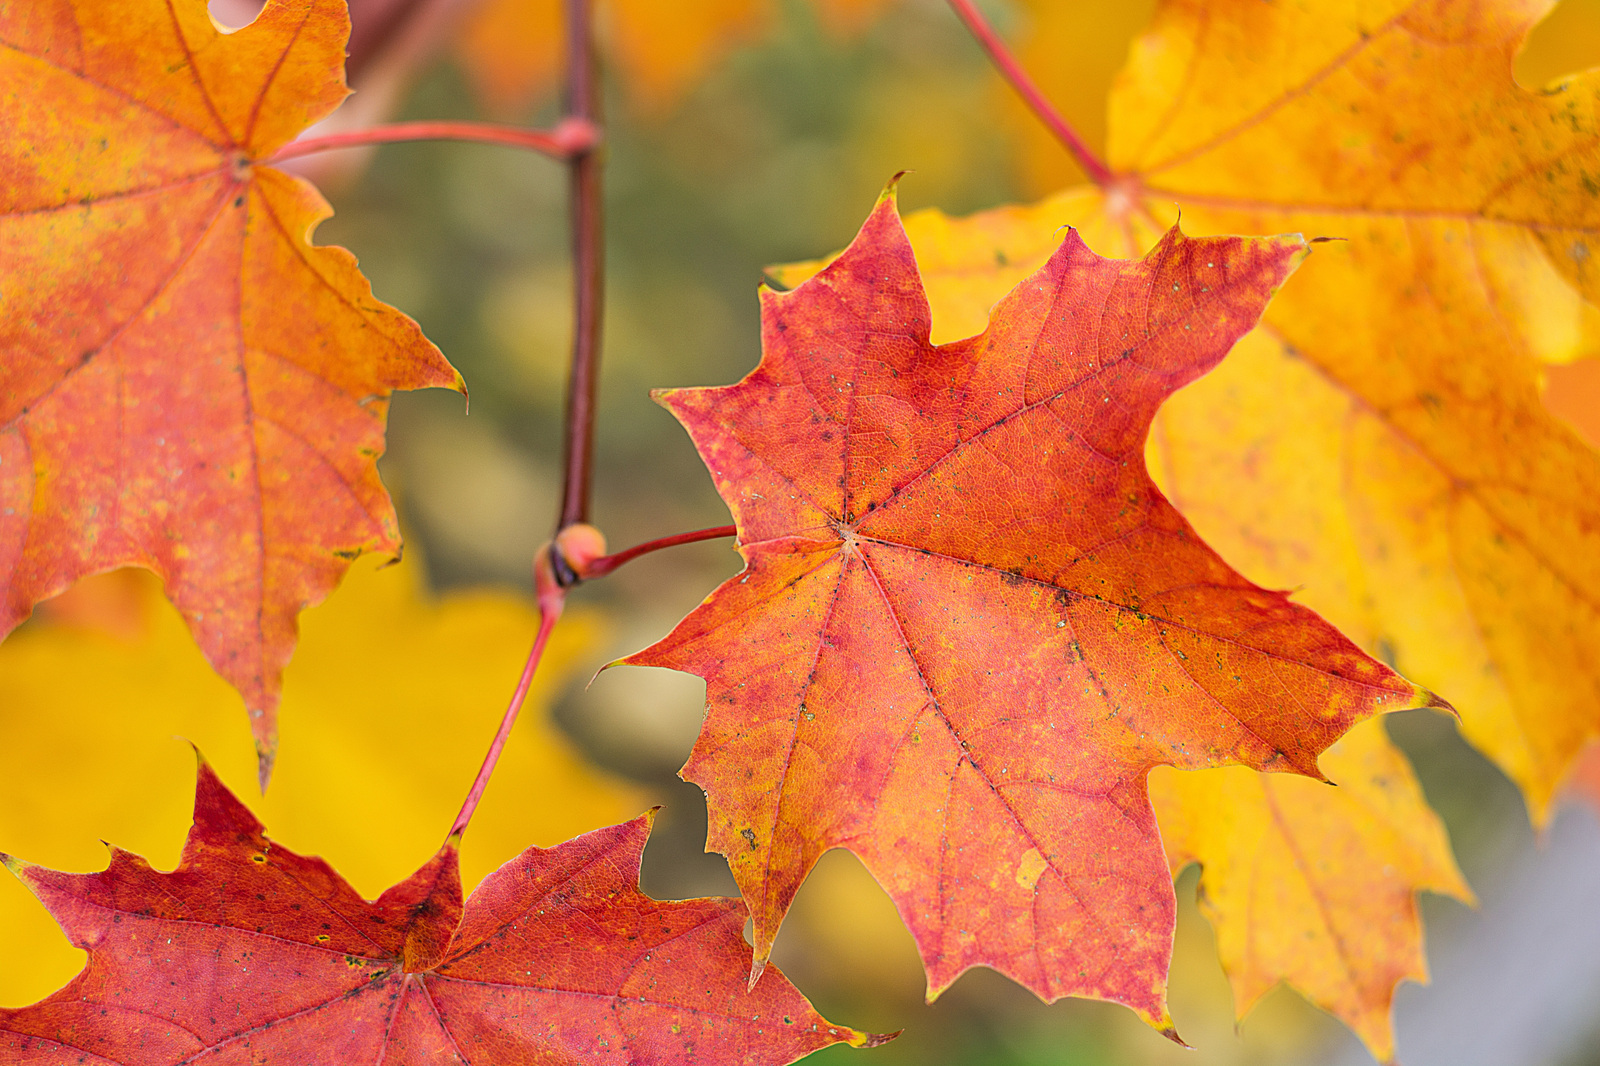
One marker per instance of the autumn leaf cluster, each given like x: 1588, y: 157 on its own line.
x: 1017, y: 496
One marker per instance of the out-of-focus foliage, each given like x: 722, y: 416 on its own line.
x: 512, y: 50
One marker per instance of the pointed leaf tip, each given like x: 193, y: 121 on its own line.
x: 1425, y: 699
x: 867, y: 1040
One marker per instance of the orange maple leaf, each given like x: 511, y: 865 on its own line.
x: 969, y: 624
x: 187, y: 383
x: 250, y: 949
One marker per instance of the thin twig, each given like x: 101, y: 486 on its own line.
x: 570, y: 137
x: 1092, y: 164
x: 588, y: 265
x: 606, y: 563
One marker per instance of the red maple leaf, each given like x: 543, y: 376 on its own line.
x: 969, y: 624
x: 248, y: 952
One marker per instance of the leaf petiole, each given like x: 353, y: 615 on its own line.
x: 571, y: 571
x: 570, y: 138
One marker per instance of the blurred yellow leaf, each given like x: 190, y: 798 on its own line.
x: 389, y: 705
x: 1314, y: 885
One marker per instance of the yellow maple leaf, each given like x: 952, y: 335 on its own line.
x: 1314, y: 885
x: 389, y: 705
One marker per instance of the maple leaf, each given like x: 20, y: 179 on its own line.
x: 969, y: 624
x: 188, y: 384
x: 1378, y: 442
x: 1311, y: 885
x: 370, y: 769
x: 250, y: 951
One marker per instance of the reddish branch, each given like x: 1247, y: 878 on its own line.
x: 588, y: 264
x: 1092, y: 164
x: 569, y: 138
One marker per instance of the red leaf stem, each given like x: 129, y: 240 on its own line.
x: 569, y: 138
x: 1097, y: 169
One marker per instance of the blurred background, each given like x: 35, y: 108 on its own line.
x: 741, y: 134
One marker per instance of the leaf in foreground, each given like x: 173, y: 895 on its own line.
x: 969, y: 624
x: 1379, y: 441
x: 1312, y: 885
x: 186, y: 383
x: 248, y: 952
